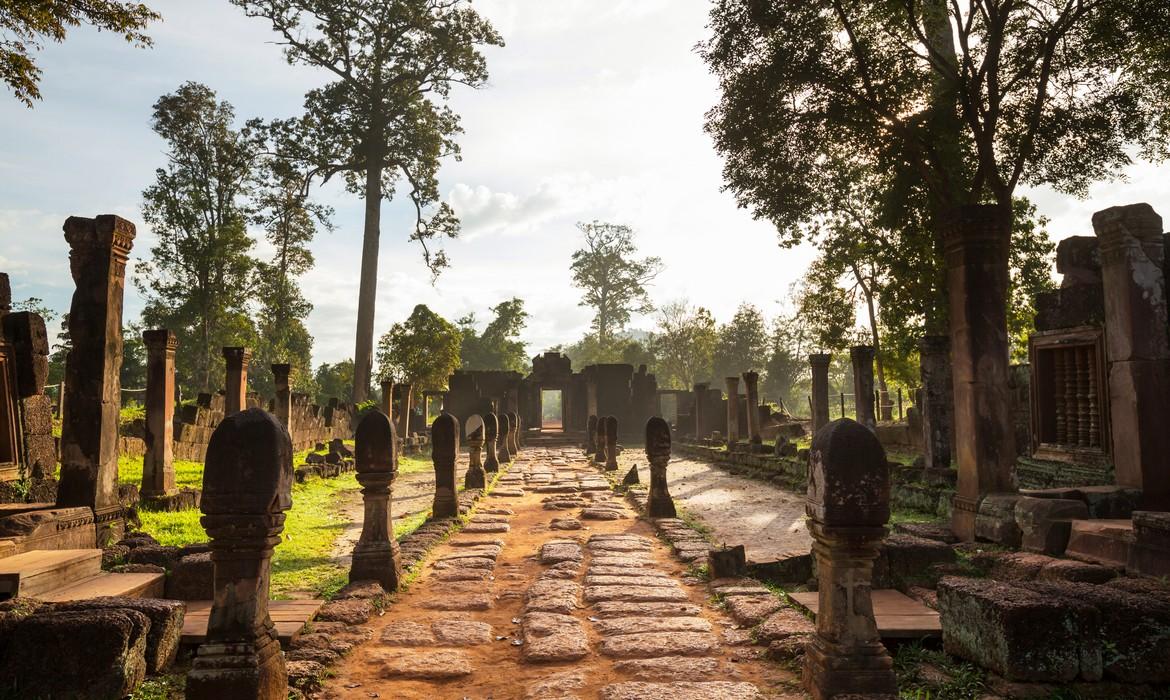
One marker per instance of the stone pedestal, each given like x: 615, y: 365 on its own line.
x: 751, y: 382
x: 491, y: 428
x: 599, y: 441
x: 591, y: 434
x: 861, y: 356
x: 505, y: 438
x: 158, y: 469
x: 611, y: 439
x: 659, y: 504
x: 282, y: 407
x: 475, y: 478
x: 235, y: 397
x: 98, y: 249
x: 848, y: 506
x: 247, y: 487
x: 820, y: 390
x: 938, y: 400
x: 977, y: 279
x: 1137, y: 349
x: 375, y: 454
x: 732, y: 410
x: 444, y: 452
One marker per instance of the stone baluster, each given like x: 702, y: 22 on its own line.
x: 1093, y: 394
x: 375, y: 454
x: 1058, y: 397
x: 1070, y: 395
x: 158, y: 468
x: 491, y: 431
x: 444, y: 451
x: 819, y: 364
x: 505, y: 439
x: 611, y: 439
x: 247, y: 487
x: 1082, y: 354
x: 514, y: 432
x: 599, y: 439
x: 235, y: 398
x: 751, y: 381
x: 660, y: 504
x: 475, y: 478
x: 732, y: 410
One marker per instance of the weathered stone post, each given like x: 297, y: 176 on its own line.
x: 862, y: 358
x: 977, y: 280
x: 599, y: 439
x: 444, y: 451
x: 505, y: 438
x: 247, y: 487
x: 732, y: 411
x: 848, y: 506
x: 98, y: 249
x: 375, y: 455
x: 235, y: 398
x: 514, y: 433
x: 938, y: 400
x: 158, y: 468
x: 475, y: 478
x: 751, y: 382
x: 700, y: 413
x: 820, y: 389
x: 591, y: 434
x: 660, y: 504
x: 491, y: 432
x: 283, y: 402
x: 405, y: 403
x: 1137, y: 348
x: 388, y: 398
x: 611, y: 439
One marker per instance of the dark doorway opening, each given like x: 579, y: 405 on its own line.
x: 552, y: 409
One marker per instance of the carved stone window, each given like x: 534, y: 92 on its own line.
x: 1070, y: 413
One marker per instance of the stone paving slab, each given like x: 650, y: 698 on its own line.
x: 428, y: 665
x: 678, y: 668
x: 685, y: 690
x: 651, y: 644
x: 634, y: 593
x: 645, y: 581
x: 637, y: 625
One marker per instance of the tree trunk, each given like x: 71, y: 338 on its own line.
x: 885, y: 409
x: 364, y: 350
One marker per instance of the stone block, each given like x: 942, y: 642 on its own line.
x: 1149, y: 554
x: 166, y: 557
x: 36, y: 415
x: 996, y: 519
x: 192, y: 578
x: 1110, y: 502
x: 905, y: 559
x: 30, y: 343
x: 1104, y: 542
x: 1045, y: 523
x: 166, y: 624
x: 40, y: 455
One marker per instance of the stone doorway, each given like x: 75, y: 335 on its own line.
x: 552, y: 410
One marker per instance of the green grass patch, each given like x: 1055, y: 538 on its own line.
x: 187, y: 474
x: 930, y: 674
x: 169, y: 687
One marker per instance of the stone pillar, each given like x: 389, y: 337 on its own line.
x: 848, y: 505
x: 938, y: 400
x: 406, y: 398
x: 283, y: 408
x: 751, y: 382
x: 591, y: 434
x: 862, y: 358
x: 1137, y: 349
x: 611, y: 439
x: 247, y: 487
x: 475, y: 478
x: 732, y: 410
x: 700, y: 412
x: 98, y: 249
x: 388, y: 398
x: 158, y: 469
x: 505, y: 438
x: 660, y: 504
x: 820, y: 389
x: 375, y: 455
x: 977, y: 281
x: 599, y: 440
x: 235, y: 398
x: 514, y: 433
x: 444, y: 450
x: 491, y: 431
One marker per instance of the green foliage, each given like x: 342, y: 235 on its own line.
x: 424, y: 350
x: 133, y: 372
x: 786, y: 373
x: 951, y: 679
x: 333, y: 381
x: 35, y: 305
x: 612, y: 278
x: 25, y: 26
x: 742, y: 344
x: 131, y: 411
x: 499, y: 345
x: 684, y: 345
x: 168, y: 687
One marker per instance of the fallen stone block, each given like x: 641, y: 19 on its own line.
x: 1046, y: 523
x: 166, y: 624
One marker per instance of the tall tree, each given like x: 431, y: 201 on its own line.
x: 383, y: 120
x: 684, y: 345
x: 742, y: 343
x: 333, y: 381
x: 199, y: 276
x: 613, y: 279
x: 499, y: 345
x: 787, y: 368
x: 422, y: 351
x: 24, y: 26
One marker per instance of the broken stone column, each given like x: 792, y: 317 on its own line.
x: 98, y: 249
x: 751, y: 382
x: 599, y: 440
x: 699, y: 411
x: 491, y: 430
x: 405, y: 403
x: 976, y: 245
x: 611, y: 438
x: 1137, y: 349
x: 732, y: 410
x: 591, y: 434
x: 388, y: 398
x: 505, y: 438
x: 475, y: 478
x: 31, y: 426
x: 247, y: 487
x: 862, y: 358
x: 283, y: 403
x: 819, y: 364
x: 934, y: 353
x: 158, y: 469
x: 660, y: 504
x: 444, y: 450
x: 235, y: 398
x: 848, y: 506
x: 375, y: 454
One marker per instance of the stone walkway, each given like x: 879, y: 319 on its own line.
x: 555, y: 590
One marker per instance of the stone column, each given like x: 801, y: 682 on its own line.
x: 375, y: 455
x: 938, y: 400
x: 514, y: 432
x: 977, y: 281
x: 283, y: 408
x: 406, y: 397
x: 475, y: 478
x: 862, y: 358
x: 388, y: 398
x: 491, y: 431
x: 599, y: 440
x: 247, y: 487
x: 660, y: 504
x: 505, y: 438
x: 700, y: 409
x: 98, y: 249
x: 611, y: 439
x: 591, y: 434
x: 158, y: 469
x: 751, y: 389
x: 235, y: 398
x: 848, y: 505
x: 732, y: 410
x: 444, y: 451
x: 820, y: 389
x: 1137, y: 349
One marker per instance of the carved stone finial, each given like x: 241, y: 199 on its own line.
x: 444, y: 449
x: 660, y: 504
x: 375, y: 556
x: 491, y: 432
x: 475, y: 478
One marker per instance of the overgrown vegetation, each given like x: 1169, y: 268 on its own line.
x: 929, y: 674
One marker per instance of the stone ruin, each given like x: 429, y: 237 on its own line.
x: 375, y: 556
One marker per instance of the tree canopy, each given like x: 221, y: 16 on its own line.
x: 612, y: 278
x: 499, y: 345
x: 742, y: 344
x: 684, y: 345
x: 423, y: 350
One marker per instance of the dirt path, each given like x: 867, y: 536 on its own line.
x: 555, y: 590
x: 766, y: 519
x: 413, y: 494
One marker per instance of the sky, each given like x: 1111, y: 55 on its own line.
x: 594, y: 110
